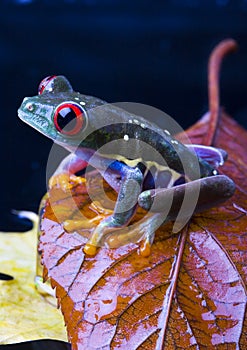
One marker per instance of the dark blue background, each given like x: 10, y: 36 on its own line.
x: 152, y: 52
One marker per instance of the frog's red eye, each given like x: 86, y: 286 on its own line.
x: 46, y: 84
x: 69, y: 118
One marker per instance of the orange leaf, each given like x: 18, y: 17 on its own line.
x: 188, y: 294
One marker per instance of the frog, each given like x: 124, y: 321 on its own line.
x: 139, y: 160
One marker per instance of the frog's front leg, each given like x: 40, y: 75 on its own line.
x: 164, y: 204
x: 76, y: 162
x: 129, y: 191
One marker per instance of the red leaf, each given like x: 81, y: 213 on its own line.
x: 189, y: 293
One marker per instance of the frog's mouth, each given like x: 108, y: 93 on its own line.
x: 42, y: 126
x: 35, y: 121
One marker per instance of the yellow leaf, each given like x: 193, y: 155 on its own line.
x: 24, y: 314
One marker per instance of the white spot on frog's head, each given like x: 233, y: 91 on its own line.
x: 175, y: 142
x: 126, y: 137
x: 143, y: 125
x: 77, y: 98
x: 82, y: 103
x: 130, y: 121
x: 215, y: 172
x: 167, y: 132
x: 136, y: 121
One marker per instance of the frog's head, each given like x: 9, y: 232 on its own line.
x: 57, y: 111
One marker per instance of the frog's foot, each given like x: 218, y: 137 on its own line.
x: 86, y: 223
x: 99, y: 234
x: 142, y: 231
x: 65, y: 181
x: 74, y: 225
x: 136, y: 233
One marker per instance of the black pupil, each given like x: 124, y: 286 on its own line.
x: 66, y: 119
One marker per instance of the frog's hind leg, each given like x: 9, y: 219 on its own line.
x: 129, y: 191
x: 210, y: 191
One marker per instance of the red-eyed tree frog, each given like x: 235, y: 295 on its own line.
x: 143, y: 163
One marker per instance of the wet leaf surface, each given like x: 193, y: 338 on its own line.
x: 188, y: 294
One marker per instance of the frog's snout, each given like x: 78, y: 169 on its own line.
x: 25, y: 106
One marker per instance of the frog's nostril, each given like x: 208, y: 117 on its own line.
x: 29, y: 106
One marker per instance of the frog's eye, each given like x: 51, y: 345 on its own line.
x: 69, y: 118
x: 46, y: 84
x: 54, y: 84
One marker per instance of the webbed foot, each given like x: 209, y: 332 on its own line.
x: 98, y: 237
x: 86, y: 223
x: 142, y: 231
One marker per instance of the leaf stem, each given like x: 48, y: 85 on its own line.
x: 165, y: 314
x: 219, y: 52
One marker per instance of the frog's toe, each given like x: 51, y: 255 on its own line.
x: 92, y: 245
x: 100, y: 233
x: 90, y: 249
x: 94, y: 241
x: 145, y: 249
x: 73, y: 225
x: 77, y: 180
x: 61, y: 181
x: 65, y: 181
x: 146, y: 244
